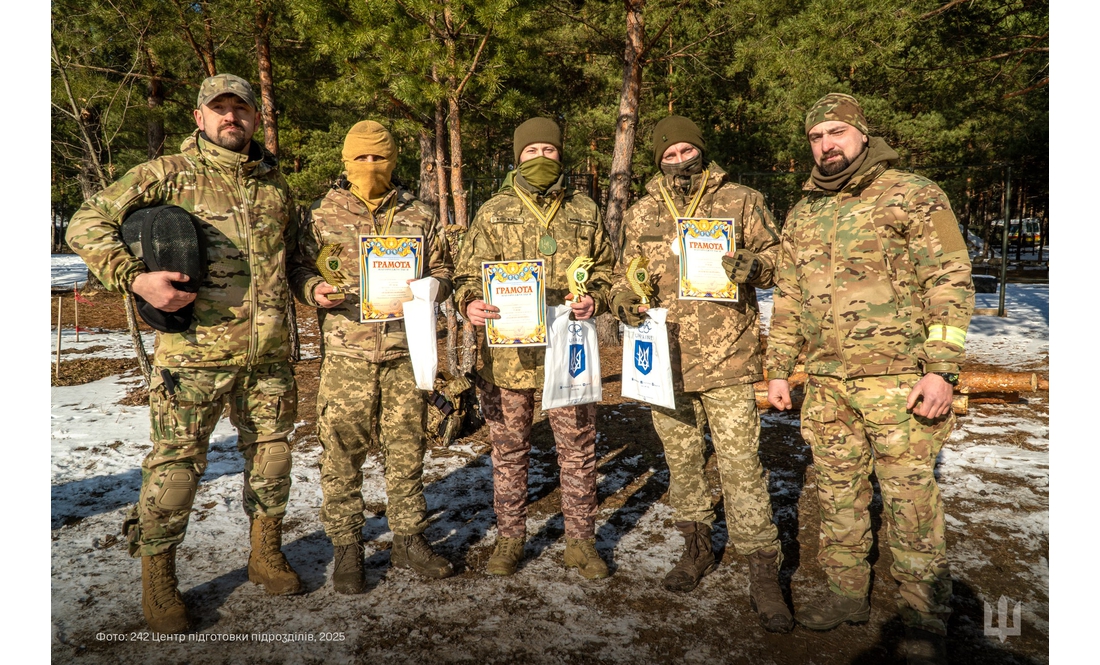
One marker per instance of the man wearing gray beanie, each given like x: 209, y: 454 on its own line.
x: 716, y: 357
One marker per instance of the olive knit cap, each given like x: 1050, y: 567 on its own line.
x: 837, y: 106
x: 536, y: 130
x: 672, y: 130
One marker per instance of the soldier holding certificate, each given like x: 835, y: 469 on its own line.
x: 534, y: 217
x: 716, y: 356
x: 368, y: 389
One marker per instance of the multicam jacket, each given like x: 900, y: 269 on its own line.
x: 712, y: 344
x: 341, y: 217
x: 248, y: 223
x: 504, y: 229
x: 873, y: 279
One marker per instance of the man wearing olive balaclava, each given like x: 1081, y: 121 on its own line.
x: 535, y: 215
x: 874, y: 285
x: 367, y: 389
x: 716, y: 357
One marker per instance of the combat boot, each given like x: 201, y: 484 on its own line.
x: 161, y: 601
x: 415, y: 552
x: 506, y: 556
x: 832, y: 610
x: 580, y: 553
x: 266, y: 563
x: 923, y: 647
x: 764, y: 594
x: 347, y: 568
x: 697, y: 560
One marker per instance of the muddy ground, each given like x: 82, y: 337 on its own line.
x: 997, y: 545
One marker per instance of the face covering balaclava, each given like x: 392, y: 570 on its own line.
x: 540, y: 172
x: 370, y: 180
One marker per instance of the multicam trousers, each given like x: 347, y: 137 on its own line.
x: 355, y: 400
x: 860, y: 426
x: 509, y: 414
x: 735, y: 433
x: 263, y: 405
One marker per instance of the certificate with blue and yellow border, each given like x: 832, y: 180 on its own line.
x: 386, y: 264
x: 702, y: 244
x: 518, y: 289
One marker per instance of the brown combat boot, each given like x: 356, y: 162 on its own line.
x: 764, y: 594
x: 347, y: 568
x: 580, y: 553
x: 161, y: 601
x: 415, y: 552
x: 697, y: 560
x: 506, y: 556
x: 266, y: 563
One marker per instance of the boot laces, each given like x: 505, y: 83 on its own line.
x: 162, y: 579
x: 271, y: 546
x: 509, y: 547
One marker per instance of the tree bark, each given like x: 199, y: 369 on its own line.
x: 267, y: 79
x: 441, y: 164
x: 458, y: 190
x: 427, y: 192
x: 627, y: 124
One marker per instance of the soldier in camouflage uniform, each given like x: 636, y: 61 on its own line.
x: 716, y: 357
x: 236, y: 350
x: 874, y: 282
x: 367, y: 389
x: 506, y: 228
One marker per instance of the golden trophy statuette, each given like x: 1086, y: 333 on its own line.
x: 578, y: 276
x: 328, y: 264
x: 638, y: 277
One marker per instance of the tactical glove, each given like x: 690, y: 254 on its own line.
x: 625, y: 305
x: 742, y: 267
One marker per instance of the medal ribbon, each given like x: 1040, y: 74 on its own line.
x: 530, y: 205
x: 694, y: 202
x: 389, y: 213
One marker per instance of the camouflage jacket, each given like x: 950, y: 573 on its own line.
x: 712, y: 344
x: 504, y: 229
x: 340, y: 217
x: 249, y: 225
x: 873, y: 279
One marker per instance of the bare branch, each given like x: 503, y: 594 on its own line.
x: 473, y: 65
x: 941, y: 10
x: 1040, y: 84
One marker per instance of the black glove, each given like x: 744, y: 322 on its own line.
x: 742, y: 267
x: 625, y: 305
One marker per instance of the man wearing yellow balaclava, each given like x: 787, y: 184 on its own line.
x: 535, y: 215
x: 367, y: 388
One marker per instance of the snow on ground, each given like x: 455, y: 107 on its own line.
x: 67, y: 270
x: 993, y: 472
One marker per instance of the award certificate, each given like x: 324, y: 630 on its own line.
x: 518, y: 288
x: 702, y: 244
x: 386, y: 263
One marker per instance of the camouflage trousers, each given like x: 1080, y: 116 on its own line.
x: 358, y: 401
x: 509, y: 414
x: 861, y: 426
x: 735, y: 432
x: 263, y: 403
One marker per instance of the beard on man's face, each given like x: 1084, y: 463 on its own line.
x: 836, y: 166
x: 231, y: 136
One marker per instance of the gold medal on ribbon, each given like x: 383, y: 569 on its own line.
x: 547, y: 244
x: 578, y: 276
x: 329, y: 265
x: 637, y: 276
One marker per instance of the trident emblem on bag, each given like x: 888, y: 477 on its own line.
x: 643, y: 356
x: 576, y: 359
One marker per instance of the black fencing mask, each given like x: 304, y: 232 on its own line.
x: 167, y: 238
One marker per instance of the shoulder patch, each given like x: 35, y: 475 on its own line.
x: 947, y: 228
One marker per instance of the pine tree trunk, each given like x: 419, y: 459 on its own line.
x: 627, y: 125
x: 267, y: 80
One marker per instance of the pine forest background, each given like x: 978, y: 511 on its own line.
x: 958, y: 87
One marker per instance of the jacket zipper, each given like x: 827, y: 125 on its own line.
x: 832, y: 282
x: 252, y: 340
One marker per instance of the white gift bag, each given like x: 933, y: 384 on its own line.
x: 572, y: 361
x: 647, y: 368
x: 420, y: 330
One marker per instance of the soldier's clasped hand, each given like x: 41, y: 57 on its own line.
x: 583, y: 308
x: 322, y: 290
x: 157, y: 290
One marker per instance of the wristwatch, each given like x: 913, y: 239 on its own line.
x: 953, y: 379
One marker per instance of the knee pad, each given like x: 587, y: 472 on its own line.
x: 177, y: 489
x: 273, y: 459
